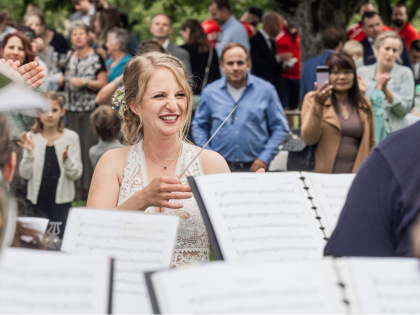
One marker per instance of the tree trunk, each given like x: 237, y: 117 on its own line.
x: 311, y: 17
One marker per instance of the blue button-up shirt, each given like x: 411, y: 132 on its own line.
x: 255, y: 130
x: 232, y: 31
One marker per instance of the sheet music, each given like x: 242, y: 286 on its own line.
x: 303, y: 287
x: 330, y: 193
x: 139, y: 242
x: 386, y: 285
x: 37, y: 224
x: 44, y: 282
x: 260, y: 217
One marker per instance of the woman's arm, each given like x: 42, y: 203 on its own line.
x: 400, y: 103
x: 105, y: 187
x: 99, y: 82
x: 213, y: 162
x: 312, y: 111
x: 104, y: 96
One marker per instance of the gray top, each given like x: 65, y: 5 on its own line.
x: 97, y: 150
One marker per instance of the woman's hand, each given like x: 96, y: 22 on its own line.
x: 161, y: 190
x: 322, y: 93
x: 77, y: 82
x: 362, y: 84
x: 381, y: 81
x: 26, y: 141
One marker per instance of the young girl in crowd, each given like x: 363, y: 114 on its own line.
x: 51, y: 162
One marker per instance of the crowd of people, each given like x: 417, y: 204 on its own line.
x: 127, y: 119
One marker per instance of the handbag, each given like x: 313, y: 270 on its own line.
x: 195, y: 97
x: 294, y: 155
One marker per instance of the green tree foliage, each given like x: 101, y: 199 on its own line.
x: 310, y: 16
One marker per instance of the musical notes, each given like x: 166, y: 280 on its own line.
x: 331, y: 192
x: 35, y: 281
x: 260, y: 217
x: 140, y: 242
x: 387, y: 286
x: 290, y: 287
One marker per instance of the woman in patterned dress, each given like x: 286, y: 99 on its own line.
x: 85, y: 74
x: 145, y: 175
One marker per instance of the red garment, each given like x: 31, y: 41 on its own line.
x: 251, y: 31
x: 356, y: 32
x: 213, y: 31
x: 408, y: 34
x: 285, y: 42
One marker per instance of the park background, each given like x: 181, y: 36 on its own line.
x: 310, y: 16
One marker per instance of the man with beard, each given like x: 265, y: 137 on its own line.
x: 373, y: 26
x: 402, y: 25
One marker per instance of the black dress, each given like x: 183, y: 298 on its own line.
x: 46, y: 206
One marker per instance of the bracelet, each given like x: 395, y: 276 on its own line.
x: 117, y: 82
x: 86, y: 82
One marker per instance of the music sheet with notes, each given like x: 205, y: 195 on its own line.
x: 330, y: 191
x: 383, y: 285
x: 139, y: 242
x: 261, y: 217
x: 45, y: 282
x: 298, y: 287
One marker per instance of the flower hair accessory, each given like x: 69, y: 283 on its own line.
x: 118, y: 99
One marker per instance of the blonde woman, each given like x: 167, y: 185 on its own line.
x: 389, y: 86
x: 144, y: 175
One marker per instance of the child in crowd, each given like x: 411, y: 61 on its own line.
x: 51, y: 163
x: 355, y: 50
x: 106, y: 125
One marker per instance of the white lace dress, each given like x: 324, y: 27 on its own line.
x: 192, y: 243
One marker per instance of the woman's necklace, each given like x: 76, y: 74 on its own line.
x: 163, y: 163
x: 344, y: 110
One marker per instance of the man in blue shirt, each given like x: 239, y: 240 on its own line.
x: 232, y: 29
x: 251, y: 137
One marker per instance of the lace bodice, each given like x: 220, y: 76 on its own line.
x: 192, y: 244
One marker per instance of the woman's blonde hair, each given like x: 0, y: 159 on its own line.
x: 383, y: 36
x: 60, y: 100
x: 137, y: 74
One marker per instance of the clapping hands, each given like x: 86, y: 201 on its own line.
x: 64, y: 156
x: 382, y: 81
x: 26, y: 141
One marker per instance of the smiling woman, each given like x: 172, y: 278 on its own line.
x: 15, y: 46
x: 145, y: 175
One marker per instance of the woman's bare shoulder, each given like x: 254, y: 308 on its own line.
x: 113, y: 159
x: 213, y: 162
